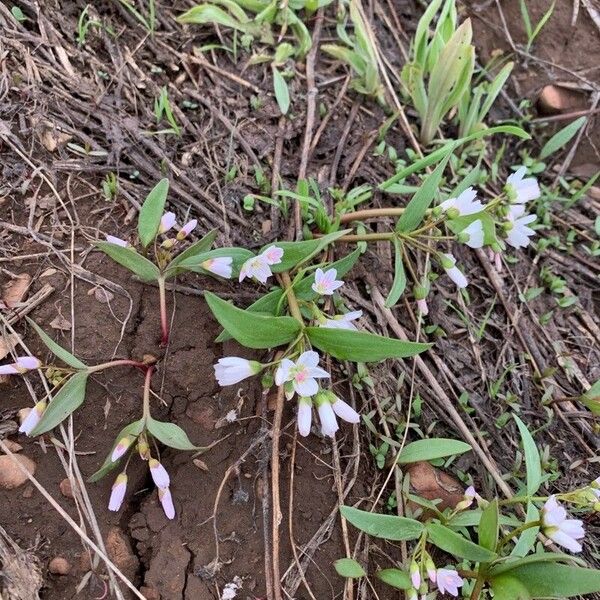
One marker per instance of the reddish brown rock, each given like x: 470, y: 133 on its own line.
x: 432, y: 484
x: 555, y: 100
x: 10, y: 475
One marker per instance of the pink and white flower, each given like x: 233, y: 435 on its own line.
x: 187, y: 229
x: 464, y: 204
x: 303, y: 373
x: 448, y: 581
x: 559, y: 528
x: 329, y: 424
x: 521, y: 189
x: 472, y: 234
x: 256, y: 267
x: 164, y: 495
x: 118, y: 492
x: 422, y: 306
x: 122, y: 446
x: 342, y: 321
x: 220, y: 266
x: 468, y: 498
x: 232, y: 369
x: 33, y: 418
x: 159, y: 474
x: 21, y: 365
x: 272, y: 254
x: 325, y: 282
x: 167, y: 222
x: 111, y: 239
x: 304, y: 416
x: 343, y: 410
x: 431, y: 570
x: 518, y: 233
x: 449, y: 265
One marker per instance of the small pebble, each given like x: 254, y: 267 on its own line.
x: 59, y: 566
x: 65, y: 488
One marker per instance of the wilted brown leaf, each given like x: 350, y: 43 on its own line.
x: 14, y: 291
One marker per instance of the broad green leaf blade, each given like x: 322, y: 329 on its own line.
x: 420, y: 202
x: 395, y: 577
x: 388, y: 527
x: 151, y: 212
x: 399, y: 283
x: 591, y: 398
x: 551, y: 580
x: 562, y: 137
x: 552, y: 557
x: 199, y: 247
x: 533, y: 462
x: 297, y: 253
x: 134, y: 429
x: 253, y: 330
x: 70, y: 396
x: 488, y: 526
x: 457, y: 545
x: 527, y: 539
x: 170, y: 435
x: 431, y: 449
x: 130, y: 259
x: 348, y: 567
x: 282, y: 92
x: 359, y: 346
x: 57, y: 350
x: 509, y: 588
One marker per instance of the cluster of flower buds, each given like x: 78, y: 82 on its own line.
x: 447, y: 581
x: 157, y: 471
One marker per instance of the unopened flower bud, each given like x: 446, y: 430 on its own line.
x: 168, y: 244
x: 415, y: 574
x: 118, y: 492
x: 121, y: 447
x: 143, y: 447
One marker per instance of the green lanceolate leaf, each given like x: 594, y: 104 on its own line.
x: 457, y: 545
x: 359, y: 346
x: 551, y: 580
x: 170, y: 435
x: 527, y: 539
x: 420, y: 202
x: 348, y: 567
x: 563, y: 137
x: 297, y: 253
x: 509, y: 588
x: 431, y: 449
x: 130, y: 259
x: 57, y: 350
x: 388, y: 527
x: 199, y: 247
x: 488, y: 526
x: 395, y: 577
x: 551, y: 557
x: 70, y: 396
x: 591, y: 398
x: 133, y: 429
x: 151, y: 212
x: 533, y: 463
x: 253, y: 330
x: 399, y: 283
x: 282, y: 92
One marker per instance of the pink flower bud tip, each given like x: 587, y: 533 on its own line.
x: 167, y: 222
x: 187, y: 229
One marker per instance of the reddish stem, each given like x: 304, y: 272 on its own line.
x: 164, y: 321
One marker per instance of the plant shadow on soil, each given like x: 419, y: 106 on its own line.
x: 173, y: 559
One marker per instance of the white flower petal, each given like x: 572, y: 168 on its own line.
x: 304, y: 418
x: 329, y: 423
x: 159, y: 474
x: 307, y: 387
x: 164, y: 495
x: 283, y: 372
x: 344, y: 411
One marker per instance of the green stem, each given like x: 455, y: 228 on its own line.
x: 292, y: 300
x: 367, y: 237
x: 522, y: 500
x: 146, y: 398
x: 515, y: 532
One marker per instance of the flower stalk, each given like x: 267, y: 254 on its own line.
x: 164, y: 321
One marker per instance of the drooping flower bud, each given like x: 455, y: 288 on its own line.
x: 121, y: 447
x: 159, y: 474
x: 304, y: 416
x: 33, y: 418
x: 164, y: 495
x: 118, y: 492
x: 187, y: 229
